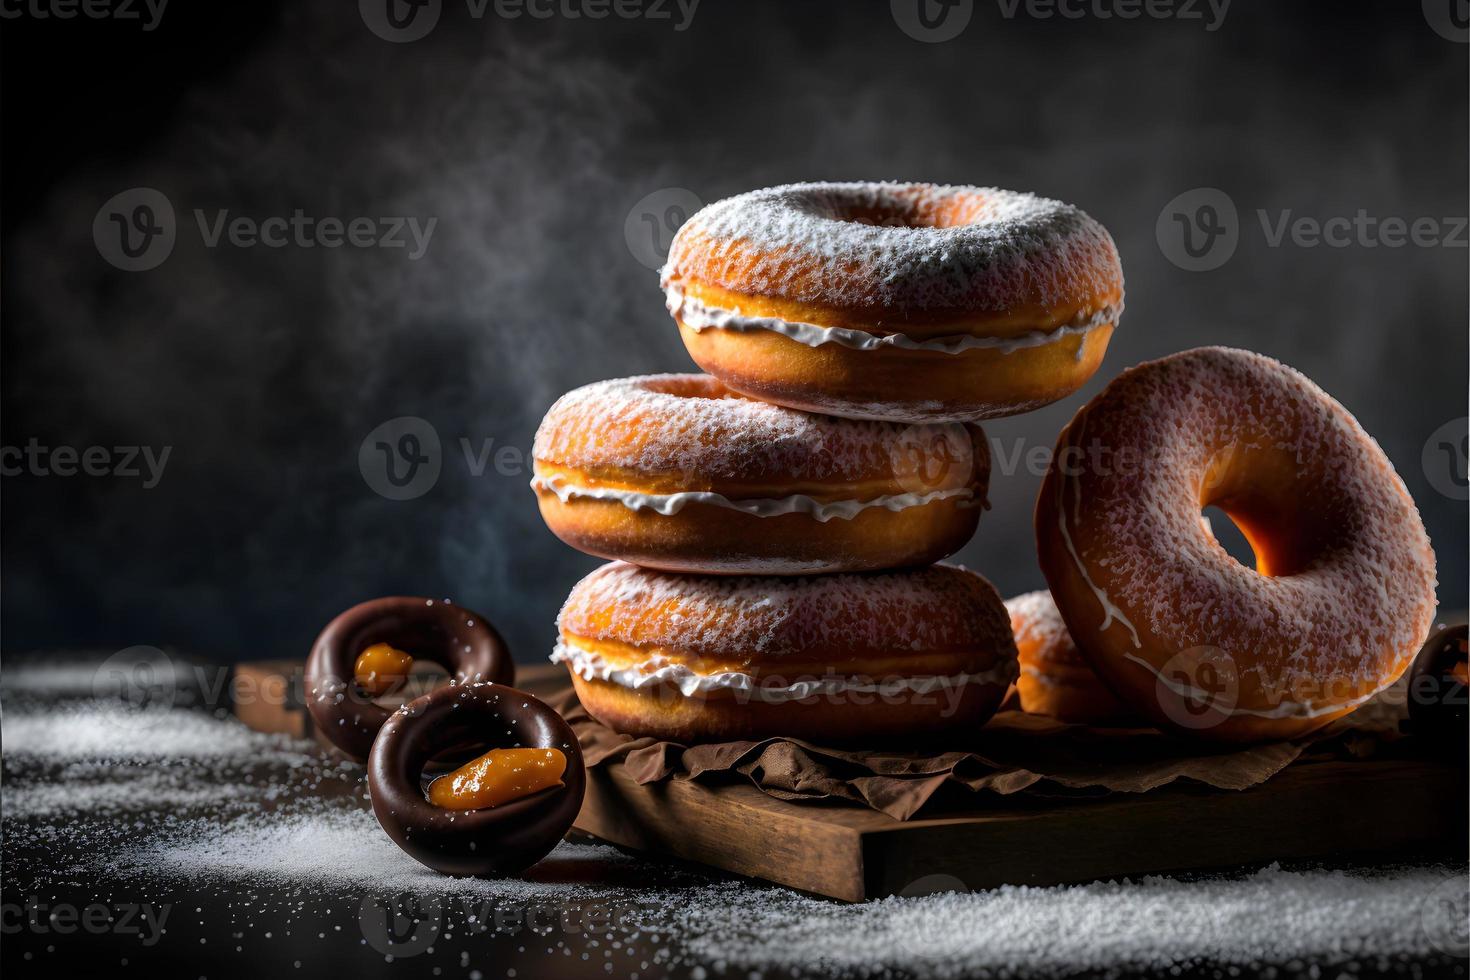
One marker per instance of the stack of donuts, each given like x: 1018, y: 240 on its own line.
x: 776, y: 527
x: 774, y: 524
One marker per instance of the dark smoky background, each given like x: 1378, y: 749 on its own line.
x: 554, y: 154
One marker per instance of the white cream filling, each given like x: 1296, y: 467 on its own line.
x: 699, y: 317
x: 820, y: 510
x: 593, y: 666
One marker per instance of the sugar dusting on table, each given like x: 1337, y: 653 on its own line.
x: 205, y: 810
x: 102, y: 730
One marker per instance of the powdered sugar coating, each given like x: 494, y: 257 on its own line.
x: 900, y: 247
x: 1038, y: 623
x: 1337, y: 621
x: 939, y: 608
x: 689, y: 426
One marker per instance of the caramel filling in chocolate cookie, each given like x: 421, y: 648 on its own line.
x: 497, y: 777
x: 381, y: 669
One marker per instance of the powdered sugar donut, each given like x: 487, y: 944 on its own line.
x: 1342, y: 594
x: 831, y: 658
x: 677, y: 472
x: 1055, y: 680
x: 914, y: 302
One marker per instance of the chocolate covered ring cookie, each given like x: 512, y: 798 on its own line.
x: 1438, y: 682
x: 393, y: 631
x: 491, y: 841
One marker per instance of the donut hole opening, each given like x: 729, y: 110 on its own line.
x: 908, y: 211
x: 1262, y: 501
x: 1229, y: 536
x: 423, y: 676
x: 691, y: 386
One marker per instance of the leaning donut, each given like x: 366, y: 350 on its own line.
x: 1055, y: 680
x: 679, y: 473
x: 342, y: 703
x: 896, y: 655
x: 1342, y: 593
x: 915, y: 302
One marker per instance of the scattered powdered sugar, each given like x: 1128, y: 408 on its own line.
x: 136, y: 790
x: 901, y: 247
x: 1162, y: 925
x: 1347, y: 621
x: 939, y: 608
x: 691, y: 428
x: 1272, y: 916
x: 106, y: 730
x: 280, y: 848
x: 340, y: 849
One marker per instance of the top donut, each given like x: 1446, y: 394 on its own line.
x: 906, y: 302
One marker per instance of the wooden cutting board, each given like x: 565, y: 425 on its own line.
x: 1309, y: 810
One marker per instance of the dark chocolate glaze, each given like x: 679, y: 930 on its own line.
x: 1437, y: 700
x: 460, y: 640
x: 489, y: 842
